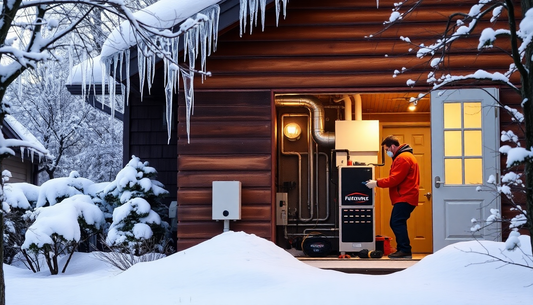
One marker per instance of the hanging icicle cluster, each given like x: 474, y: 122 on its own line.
x: 200, y: 34
x: 253, y: 7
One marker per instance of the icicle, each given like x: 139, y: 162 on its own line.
x: 242, y: 16
x: 141, y: 67
x: 252, y: 6
x: 192, y: 51
x: 154, y: 60
x: 214, y: 24
x: 22, y: 153
x: 127, y: 63
x: 263, y: 11
x: 105, y: 67
x: 169, y: 96
x: 188, y: 88
x: 113, y: 86
x: 203, y: 32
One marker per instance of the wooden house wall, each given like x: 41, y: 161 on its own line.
x: 321, y: 46
x: 326, y: 44
x: 230, y: 140
x: 21, y: 171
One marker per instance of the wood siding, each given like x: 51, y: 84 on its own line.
x: 230, y: 140
x: 21, y: 170
x: 326, y: 44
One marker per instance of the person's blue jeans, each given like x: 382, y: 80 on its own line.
x: 401, y: 211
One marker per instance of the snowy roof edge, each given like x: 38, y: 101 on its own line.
x: 229, y: 16
x: 22, y: 133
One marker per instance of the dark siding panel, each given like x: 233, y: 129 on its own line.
x: 20, y: 171
x: 230, y: 140
x: 148, y: 137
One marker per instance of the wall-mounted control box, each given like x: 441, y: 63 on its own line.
x: 226, y: 200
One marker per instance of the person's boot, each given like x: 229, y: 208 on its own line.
x: 400, y: 254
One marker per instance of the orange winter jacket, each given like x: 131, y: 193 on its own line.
x: 404, y: 177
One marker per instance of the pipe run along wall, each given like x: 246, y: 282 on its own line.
x: 318, y: 116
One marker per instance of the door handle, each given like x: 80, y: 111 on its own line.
x: 438, y: 182
x: 428, y: 196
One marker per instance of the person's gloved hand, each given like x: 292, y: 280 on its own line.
x: 371, y: 184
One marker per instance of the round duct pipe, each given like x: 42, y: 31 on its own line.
x: 318, y: 116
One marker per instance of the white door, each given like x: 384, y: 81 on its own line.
x: 465, y: 141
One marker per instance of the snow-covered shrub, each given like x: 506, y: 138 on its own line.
x: 18, y: 199
x: 57, y: 229
x: 134, y: 226
x: 134, y: 221
x: 135, y: 180
x: 55, y: 190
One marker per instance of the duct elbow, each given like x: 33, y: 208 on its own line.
x: 318, y: 116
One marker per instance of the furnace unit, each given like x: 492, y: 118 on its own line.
x: 356, y: 209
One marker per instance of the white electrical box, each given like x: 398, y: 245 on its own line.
x: 173, y: 215
x: 360, y: 138
x: 281, y: 209
x: 226, y: 200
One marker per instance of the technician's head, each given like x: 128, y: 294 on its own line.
x: 391, y: 145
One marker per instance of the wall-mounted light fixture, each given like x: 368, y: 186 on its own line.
x: 292, y: 131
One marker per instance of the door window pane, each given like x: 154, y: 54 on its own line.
x: 473, y: 171
x: 452, y: 115
x: 472, y: 115
x: 473, y: 145
x: 462, y: 141
x: 453, y: 171
x: 453, y: 144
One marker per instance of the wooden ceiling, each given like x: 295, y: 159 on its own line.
x: 383, y: 102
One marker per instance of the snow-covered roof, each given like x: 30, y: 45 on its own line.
x: 21, y: 132
x: 162, y: 15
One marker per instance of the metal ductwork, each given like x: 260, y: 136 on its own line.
x: 318, y: 116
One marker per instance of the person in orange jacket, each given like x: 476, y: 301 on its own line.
x: 403, y: 184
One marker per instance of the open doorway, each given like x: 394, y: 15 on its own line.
x: 306, y: 175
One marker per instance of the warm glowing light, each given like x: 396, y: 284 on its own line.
x: 412, y: 107
x: 292, y: 131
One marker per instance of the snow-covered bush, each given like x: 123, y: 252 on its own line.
x: 135, y: 180
x: 55, y: 190
x: 134, y: 225
x: 19, y: 198
x: 136, y: 196
x: 57, y: 229
x: 55, y: 218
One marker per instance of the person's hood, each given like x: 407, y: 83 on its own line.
x: 403, y: 148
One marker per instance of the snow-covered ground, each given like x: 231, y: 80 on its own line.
x: 238, y: 268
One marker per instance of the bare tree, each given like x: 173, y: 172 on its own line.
x: 66, y: 126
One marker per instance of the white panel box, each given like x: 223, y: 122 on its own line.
x: 281, y: 209
x: 226, y: 200
x: 357, y: 136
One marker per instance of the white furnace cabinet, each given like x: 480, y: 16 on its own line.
x: 356, y: 209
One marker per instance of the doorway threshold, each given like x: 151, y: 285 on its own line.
x: 375, y: 266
